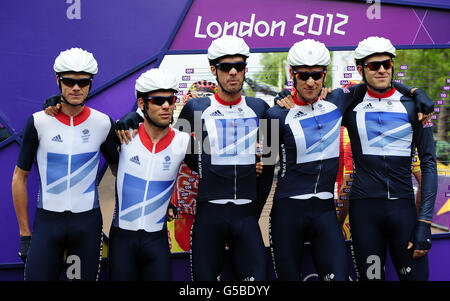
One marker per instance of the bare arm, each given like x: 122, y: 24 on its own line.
x: 20, y: 199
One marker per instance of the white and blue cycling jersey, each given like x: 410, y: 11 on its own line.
x: 67, y: 150
x: 382, y: 131
x: 145, y: 179
x: 226, y: 135
x: 309, y: 145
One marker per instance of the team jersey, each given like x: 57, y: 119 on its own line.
x: 226, y: 136
x: 67, y: 150
x: 145, y: 179
x: 382, y: 130
x: 309, y: 144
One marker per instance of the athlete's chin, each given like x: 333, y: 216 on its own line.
x: 75, y: 101
x: 234, y: 89
x: 382, y: 84
x: 309, y: 97
x: 163, y: 123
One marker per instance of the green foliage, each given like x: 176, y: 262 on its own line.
x: 271, y: 66
x: 428, y: 69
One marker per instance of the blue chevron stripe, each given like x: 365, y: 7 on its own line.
x: 57, y: 167
x: 157, y: 187
x: 132, y: 215
x: 58, y: 188
x: 381, y: 122
x: 91, y: 187
x: 133, y: 190
x: 161, y: 220
x: 158, y: 203
x: 80, y: 176
x: 392, y: 138
x: 327, y: 142
x: 79, y: 160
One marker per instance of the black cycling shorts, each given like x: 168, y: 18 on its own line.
x: 54, y: 233
x: 216, y: 225
x: 294, y: 222
x: 376, y: 224
x: 139, y: 255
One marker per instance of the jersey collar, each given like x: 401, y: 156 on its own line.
x: 383, y: 95
x: 80, y: 118
x: 162, y: 144
x: 225, y: 103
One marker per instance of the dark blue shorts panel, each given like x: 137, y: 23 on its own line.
x: 294, y: 222
x: 54, y: 233
x: 236, y: 225
x: 139, y: 255
x: 378, y: 224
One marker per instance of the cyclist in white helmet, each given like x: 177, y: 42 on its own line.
x: 309, y: 155
x: 230, y: 198
x: 303, y: 207
x: 383, y: 128
x: 148, y: 168
x: 67, y: 149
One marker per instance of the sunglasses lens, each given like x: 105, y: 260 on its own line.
x: 160, y: 100
x: 375, y: 66
x: 226, y: 67
x: 72, y: 82
x: 306, y: 75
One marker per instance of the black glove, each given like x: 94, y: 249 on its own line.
x: 23, y: 248
x: 281, y: 95
x: 174, y: 208
x: 52, y: 101
x: 421, y: 237
x: 423, y: 103
x: 131, y: 120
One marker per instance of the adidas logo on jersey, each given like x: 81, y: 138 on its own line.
x: 368, y: 106
x: 299, y: 114
x: 57, y: 138
x: 135, y: 159
x: 216, y: 113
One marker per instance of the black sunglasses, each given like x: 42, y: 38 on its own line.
x: 306, y: 75
x: 160, y: 100
x: 226, y: 67
x: 70, y: 82
x: 375, y: 66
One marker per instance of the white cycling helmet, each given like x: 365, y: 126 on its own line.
x: 308, y: 52
x: 373, y: 45
x: 156, y: 79
x: 228, y: 45
x: 75, y: 60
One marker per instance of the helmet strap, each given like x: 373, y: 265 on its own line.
x: 298, y: 92
x: 66, y: 101
x: 147, y: 117
x: 378, y: 90
x: 223, y: 89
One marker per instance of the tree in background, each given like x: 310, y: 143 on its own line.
x: 273, y: 70
x: 429, y: 69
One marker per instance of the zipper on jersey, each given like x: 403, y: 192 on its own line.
x: 70, y: 161
x: 147, y: 187
x: 386, y: 169
x: 235, y: 168
x: 320, y: 165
